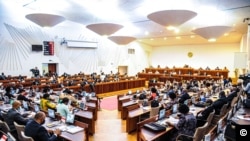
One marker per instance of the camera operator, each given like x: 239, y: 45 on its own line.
x: 35, y: 72
x: 246, y: 88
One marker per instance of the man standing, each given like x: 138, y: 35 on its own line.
x: 35, y: 129
x: 36, y: 72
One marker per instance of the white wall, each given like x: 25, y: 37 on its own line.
x: 17, y: 58
x: 211, y: 55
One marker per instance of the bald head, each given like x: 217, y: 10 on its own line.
x: 39, y: 116
x: 16, y: 104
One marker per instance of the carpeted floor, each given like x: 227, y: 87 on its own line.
x: 109, y: 103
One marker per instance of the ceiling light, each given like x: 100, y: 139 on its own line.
x: 104, y: 28
x: 178, y: 37
x: 212, y: 32
x: 45, y: 20
x: 122, y: 40
x: 165, y: 38
x: 177, y: 30
x: 171, y: 17
x: 212, y: 40
x: 171, y: 28
x: 192, y: 36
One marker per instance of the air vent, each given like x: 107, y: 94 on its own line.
x: 131, y: 51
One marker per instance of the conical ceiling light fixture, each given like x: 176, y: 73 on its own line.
x: 211, y: 33
x: 45, y: 20
x: 104, y: 28
x: 122, y: 40
x: 172, y: 18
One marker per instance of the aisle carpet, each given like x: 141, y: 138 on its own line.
x: 109, y: 103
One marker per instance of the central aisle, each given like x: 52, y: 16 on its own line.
x: 110, y: 127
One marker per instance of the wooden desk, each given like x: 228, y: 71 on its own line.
x: 133, y: 118
x: 86, y: 117
x: 124, y: 112
x: 79, y: 136
x: 121, y: 100
x: 93, y: 108
x: 241, y: 121
x: 147, y: 135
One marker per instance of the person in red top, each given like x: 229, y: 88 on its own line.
x: 153, y: 93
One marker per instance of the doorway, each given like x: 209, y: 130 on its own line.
x: 123, y: 69
x: 49, y: 68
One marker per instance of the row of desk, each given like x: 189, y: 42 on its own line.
x: 176, y: 77
x: 79, y: 136
x: 103, y: 87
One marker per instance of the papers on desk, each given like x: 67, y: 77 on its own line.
x: 146, y: 108
x: 243, y: 118
x: 172, y: 120
x: 74, y: 129
x: 70, y: 128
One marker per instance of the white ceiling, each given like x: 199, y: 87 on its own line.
x: 132, y: 14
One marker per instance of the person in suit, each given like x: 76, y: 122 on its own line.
x: 203, y: 115
x: 8, y: 92
x: 22, y: 96
x: 36, y: 72
x: 232, y: 94
x: 38, y: 132
x: 184, y: 96
x: 220, y: 102
x: 13, y: 115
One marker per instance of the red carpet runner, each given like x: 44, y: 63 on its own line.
x: 109, y: 103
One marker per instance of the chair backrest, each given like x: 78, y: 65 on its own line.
x: 154, y: 111
x: 26, y: 138
x: 233, y: 101
x: 4, y: 127
x: 223, y: 110
x: 200, y: 132
x: 19, y: 128
x: 210, y: 118
x: 140, y: 102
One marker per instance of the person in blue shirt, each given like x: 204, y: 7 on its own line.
x: 62, y: 108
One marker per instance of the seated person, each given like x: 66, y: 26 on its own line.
x: 45, y: 103
x: 68, y: 94
x: 13, y: 115
x: 186, y: 124
x: 203, y: 115
x: 62, y: 108
x: 37, y: 131
x: 184, y: 96
x: 173, y: 100
x: 153, y: 93
x: 232, y: 94
x: 8, y: 92
x: 22, y: 96
x: 220, y: 102
x: 142, y: 96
